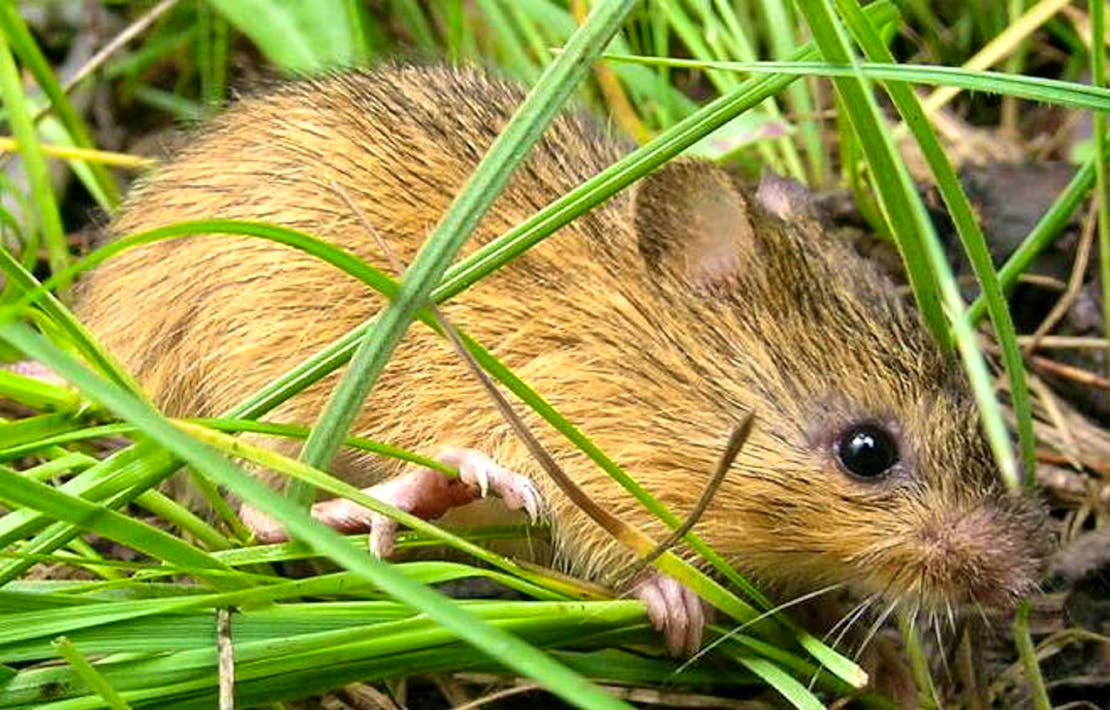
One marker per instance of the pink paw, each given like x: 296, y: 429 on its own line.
x: 265, y: 529
x: 675, y: 610
x: 424, y: 492
x: 35, y: 370
x: 480, y: 471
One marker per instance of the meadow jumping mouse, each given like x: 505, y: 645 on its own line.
x: 655, y: 323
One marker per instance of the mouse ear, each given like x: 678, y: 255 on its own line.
x: 692, y: 220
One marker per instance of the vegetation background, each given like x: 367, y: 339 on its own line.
x: 113, y: 595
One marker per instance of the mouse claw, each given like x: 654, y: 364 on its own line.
x: 675, y: 610
x: 478, y: 470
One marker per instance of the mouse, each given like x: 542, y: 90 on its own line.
x: 654, y: 323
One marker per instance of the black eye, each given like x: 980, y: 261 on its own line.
x: 867, y: 451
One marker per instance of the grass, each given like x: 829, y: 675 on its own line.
x: 143, y: 635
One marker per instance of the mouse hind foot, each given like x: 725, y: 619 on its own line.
x: 673, y: 609
x: 424, y: 492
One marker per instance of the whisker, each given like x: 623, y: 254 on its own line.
x: 875, y: 628
x: 847, y: 620
x: 732, y: 632
x: 915, y: 614
x: 940, y: 646
x: 982, y: 614
x: 851, y: 618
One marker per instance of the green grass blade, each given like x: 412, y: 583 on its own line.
x: 95, y: 484
x: 513, y: 56
x: 21, y: 431
x: 110, y: 524
x: 780, y: 25
x: 117, y: 480
x: 693, y: 37
x: 91, y: 677
x: 413, y: 18
x: 181, y: 518
x: 322, y: 250
x: 1066, y: 94
x: 1027, y: 653
x: 785, y: 684
x: 18, y: 277
x: 47, y: 216
x: 1102, y: 182
x: 298, y: 36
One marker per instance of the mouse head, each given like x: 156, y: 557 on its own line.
x: 867, y: 465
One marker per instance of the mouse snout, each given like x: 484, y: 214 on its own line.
x: 991, y: 554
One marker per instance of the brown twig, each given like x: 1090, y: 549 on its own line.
x: 520, y: 687
x: 1075, y: 374
x: 95, y: 61
x: 1075, y: 284
x: 1043, y: 281
x: 226, y: 651
x: 1052, y: 409
x: 1064, y: 342
x: 1102, y: 468
x: 363, y: 696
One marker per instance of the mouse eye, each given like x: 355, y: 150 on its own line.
x: 867, y: 451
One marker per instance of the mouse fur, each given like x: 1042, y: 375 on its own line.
x: 654, y: 323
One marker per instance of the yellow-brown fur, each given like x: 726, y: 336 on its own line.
x: 612, y: 320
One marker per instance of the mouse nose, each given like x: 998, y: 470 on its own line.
x: 991, y: 554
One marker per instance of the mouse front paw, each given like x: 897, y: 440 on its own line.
x: 673, y: 609
x: 424, y: 492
